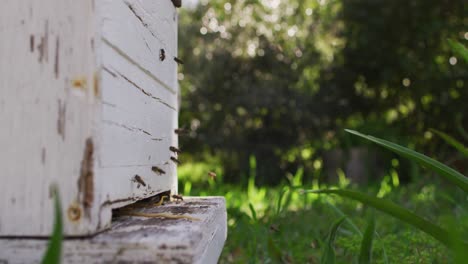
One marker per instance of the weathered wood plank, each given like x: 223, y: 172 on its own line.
x: 141, y: 240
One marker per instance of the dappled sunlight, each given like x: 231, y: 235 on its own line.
x: 343, y: 181
x: 427, y: 194
x: 385, y: 187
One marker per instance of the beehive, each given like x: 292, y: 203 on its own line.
x: 88, y: 101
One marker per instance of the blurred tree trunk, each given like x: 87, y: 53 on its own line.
x: 268, y: 167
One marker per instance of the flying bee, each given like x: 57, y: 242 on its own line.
x: 162, y: 54
x: 177, y: 197
x: 179, y: 61
x: 313, y: 244
x: 175, y: 150
x: 158, y: 170
x: 175, y: 160
x: 274, y: 228
x: 139, y: 180
x: 212, y: 175
x: 180, y: 131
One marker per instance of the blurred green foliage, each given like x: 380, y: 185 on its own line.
x: 277, y: 80
x: 279, y: 225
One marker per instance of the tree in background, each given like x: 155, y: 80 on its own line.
x: 277, y: 79
x: 398, y: 63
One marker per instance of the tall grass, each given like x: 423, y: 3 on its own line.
x: 301, y: 223
x: 454, y: 242
x: 54, y: 249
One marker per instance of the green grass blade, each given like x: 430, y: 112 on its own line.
x: 399, y: 213
x: 329, y: 256
x: 280, y: 200
x: 253, y: 212
x: 448, y: 173
x: 384, y: 252
x: 54, y: 249
x: 365, y: 256
x: 458, y: 49
x: 274, y: 251
x: 453, y: 142
x: 349, y: 221
x: 459, y: 126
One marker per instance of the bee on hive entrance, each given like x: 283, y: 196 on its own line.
x: 177, y: 3
x: 175, y: 160
x: 158, y: 170
x: 162, y: 54
x: 175, y: 150
x: 177, y: 197
x: 139, y: 180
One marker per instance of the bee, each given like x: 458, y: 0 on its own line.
x: 158, y: 170
x: 212, y: 175
x: 139, y: 180
x: 175, y: 160
x: 177, y: 3
x: 313, y: 244
x: 175, y: 150
x: 179, y: 61
x: 162, y: 54
x: 177, y: 197
x: 274, y: 228
x: 180, y: 131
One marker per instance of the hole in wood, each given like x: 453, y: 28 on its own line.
x: 74, y: 212
x: 159, y: 208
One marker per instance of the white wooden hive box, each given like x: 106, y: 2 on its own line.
x: 88, y: 100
